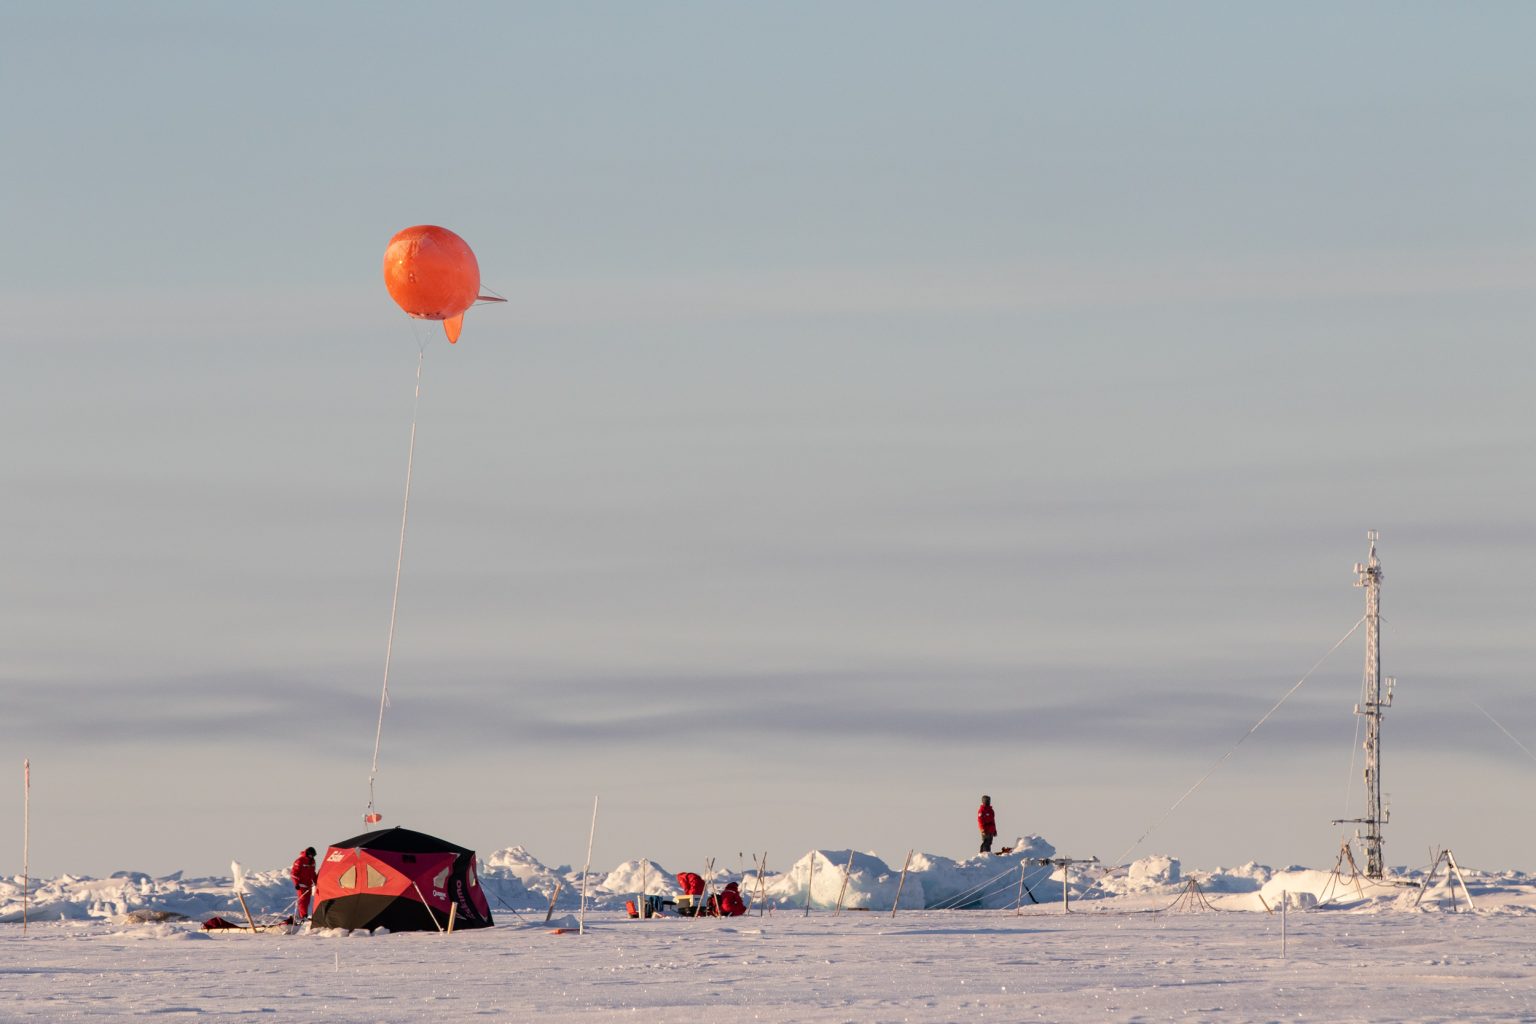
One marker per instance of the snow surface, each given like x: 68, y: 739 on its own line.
x: 1146, y: 941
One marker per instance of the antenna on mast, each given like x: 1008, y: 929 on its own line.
x: 1377, y: 698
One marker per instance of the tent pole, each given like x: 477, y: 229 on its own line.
x: 424, y: 905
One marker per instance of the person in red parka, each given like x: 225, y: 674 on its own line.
x: 728, y: 903
x: 303, y: 875
x: 987, y: 822
x: 692, y: 884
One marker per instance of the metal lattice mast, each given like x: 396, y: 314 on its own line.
x: 1377, y: 697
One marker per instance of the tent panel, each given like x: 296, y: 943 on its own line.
x: 367, y: 911
x: 400, y: 880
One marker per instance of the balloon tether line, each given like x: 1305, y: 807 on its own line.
x: 1228, y: 755
x: 1505, y: 731
x: 394, y: 603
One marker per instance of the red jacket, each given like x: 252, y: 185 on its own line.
x: 986, y: 820
x: 303, y: 872
x: 728, y: 903
x: 691, y: 884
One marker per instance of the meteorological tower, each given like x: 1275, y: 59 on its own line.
x: 1376, y: 696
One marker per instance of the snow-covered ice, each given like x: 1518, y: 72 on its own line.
x: 1138, y: 945
x: 921, y: 966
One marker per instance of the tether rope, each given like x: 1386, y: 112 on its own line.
x: 988, y: 887
x: 1194, y: 899
x: 1506, y: 732
x: 394, y: 603
x: 1225, y: 757
x: 1354, y: 754
x: 974, y: 892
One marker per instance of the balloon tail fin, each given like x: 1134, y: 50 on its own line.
x: 453, y: 326
x: 489, y: 298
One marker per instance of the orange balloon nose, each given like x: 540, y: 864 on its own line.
x: 431, y: 273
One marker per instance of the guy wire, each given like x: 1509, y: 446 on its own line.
x: 1224, y: 757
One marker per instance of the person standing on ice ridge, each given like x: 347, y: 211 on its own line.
x: 303, y: 875
x: 986, y: 820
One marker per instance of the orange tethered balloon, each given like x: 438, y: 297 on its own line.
x: 432, y: 274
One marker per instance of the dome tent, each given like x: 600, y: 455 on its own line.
x: 400, y: 880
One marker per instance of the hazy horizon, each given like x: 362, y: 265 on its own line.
x: 894, y: 404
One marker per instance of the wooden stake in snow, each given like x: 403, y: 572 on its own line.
x: 586, y: 873
x: 709, y: 872
x: 26, y: 837
x: 453, y: 911
x: 238, y: 877
x: 901, y: 884
x: 762, y: 882
x: 844, y: 890
x: 552, y: 897
x: 809, y: 882
x: 644, y: 900
x: 1284, y: 899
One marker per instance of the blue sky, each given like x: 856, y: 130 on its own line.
x: 895, y: 403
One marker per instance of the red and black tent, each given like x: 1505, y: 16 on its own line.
x: 400, y: 880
